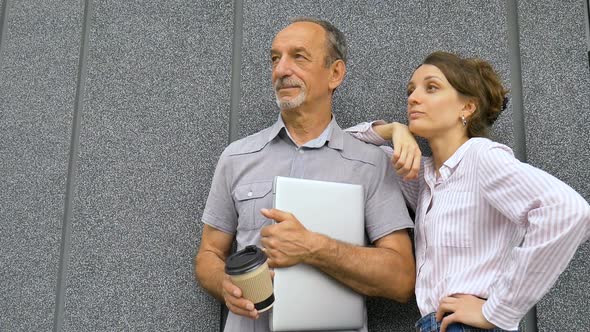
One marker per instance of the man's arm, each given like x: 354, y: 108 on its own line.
x: 210, y: 271
x: 386, y: 270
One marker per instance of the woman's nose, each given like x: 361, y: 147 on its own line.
x: 413, y: 98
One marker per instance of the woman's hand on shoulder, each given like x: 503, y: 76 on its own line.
x: 406, y: 152
x: 462, y: 308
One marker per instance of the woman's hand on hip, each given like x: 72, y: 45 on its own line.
x: 462, y: 308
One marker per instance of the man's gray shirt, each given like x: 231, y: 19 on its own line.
x: 242, y: 185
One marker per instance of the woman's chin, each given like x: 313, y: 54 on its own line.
x: 417, y: 129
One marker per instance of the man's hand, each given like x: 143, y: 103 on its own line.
x: 406, y: 152
x: 287, y: 242
x: 464, y: 309
x: 234, y: 301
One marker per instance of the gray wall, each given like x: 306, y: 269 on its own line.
x: 556, y: 91
x: 113, y: 114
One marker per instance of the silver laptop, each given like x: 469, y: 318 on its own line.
x: 306, y: 299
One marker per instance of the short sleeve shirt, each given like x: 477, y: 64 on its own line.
x: 243, y: 179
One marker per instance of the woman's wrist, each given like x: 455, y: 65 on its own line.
x: 384, y: 130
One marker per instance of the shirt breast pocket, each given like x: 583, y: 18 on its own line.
x: 454, y: 219
x: 249, y: 199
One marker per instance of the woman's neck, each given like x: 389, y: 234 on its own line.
x: 444, y: 147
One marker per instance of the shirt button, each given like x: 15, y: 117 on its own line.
x: 250, y: 194
x: 300, y: 151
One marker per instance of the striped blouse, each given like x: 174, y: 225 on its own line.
x: 489, y: 226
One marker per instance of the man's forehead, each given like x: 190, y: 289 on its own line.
x: 299, y: 34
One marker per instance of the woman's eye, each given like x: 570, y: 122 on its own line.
x: 409, y: 91
x: 431, y: 88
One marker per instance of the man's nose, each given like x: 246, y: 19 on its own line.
x: 283, y: 67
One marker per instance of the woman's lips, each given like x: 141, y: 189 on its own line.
x: 415, y: 114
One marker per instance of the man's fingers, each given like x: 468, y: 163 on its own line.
x: 450, y: 319
x: 230, y: 288
x: 276, y: 215
x: 264, y: 239
x: 234, y: 301
x: 241, y: 311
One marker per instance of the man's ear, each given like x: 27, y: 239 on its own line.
x: 337, y: 72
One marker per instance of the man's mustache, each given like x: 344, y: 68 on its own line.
x: 288, y: 82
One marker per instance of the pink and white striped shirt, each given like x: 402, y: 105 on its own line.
x: 489, y: 226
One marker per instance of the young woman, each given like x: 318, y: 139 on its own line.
x: 492, y: 234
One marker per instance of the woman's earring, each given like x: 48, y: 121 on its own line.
x: 463, y: 120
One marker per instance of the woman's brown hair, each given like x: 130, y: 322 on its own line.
x: 474, y: 79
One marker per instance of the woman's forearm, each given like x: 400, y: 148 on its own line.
x: 384, y: 130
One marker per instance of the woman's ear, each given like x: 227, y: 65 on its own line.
x: 468, y: 108
x: 337, y: 72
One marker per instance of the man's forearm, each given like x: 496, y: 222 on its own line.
x: 210, y: 271
x: 372, y: 271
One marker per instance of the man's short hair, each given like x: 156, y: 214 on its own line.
x: 337, y: 49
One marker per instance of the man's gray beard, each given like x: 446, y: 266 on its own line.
x: 293, y: 103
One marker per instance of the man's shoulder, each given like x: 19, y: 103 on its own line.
x: 359, y: 150
x: 252, y: 143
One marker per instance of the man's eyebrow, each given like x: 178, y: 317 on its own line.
x: 296, y: 49
x: 300, y: 49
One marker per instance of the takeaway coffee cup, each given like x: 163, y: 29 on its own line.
x: 248, y: 270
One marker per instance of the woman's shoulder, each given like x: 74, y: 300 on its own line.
x: 482, y: 147
x: 487, y: 155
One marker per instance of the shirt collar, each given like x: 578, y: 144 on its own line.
x: 454, y: 160
x: 448, y: 166
x: 332, y: 134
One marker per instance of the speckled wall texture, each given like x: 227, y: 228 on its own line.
x: 156, y: 108
x: 556, y: 91
x: 38, y: 69
x: 155, y: 116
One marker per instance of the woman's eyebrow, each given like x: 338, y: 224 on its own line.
x: 432, y: 77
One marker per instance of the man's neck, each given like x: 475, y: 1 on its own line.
x: 305, y: 125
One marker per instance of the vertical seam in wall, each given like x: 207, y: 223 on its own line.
x: 587, y: 24
x: 235, y: 95
x: 71, y: 176
x: 3, y: 20
x: 236, y: 90
x: 516, y: 94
